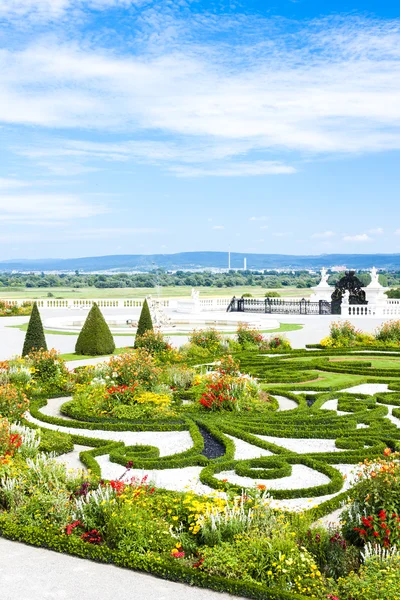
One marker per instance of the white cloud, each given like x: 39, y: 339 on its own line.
x: 9, y: 184
x: 218, y: 227
x: 234, y: 169
x: 361, y: 237
x: 324, y: 235
x: 258, y: 219
x: 54, y: 9
x: 46, y: 208
x: 282, y: 234
x: 397, y: 232
x: 377, y: 231
x: 329, y: 86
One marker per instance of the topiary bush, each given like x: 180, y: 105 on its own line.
x: 34, y: 338
x: 145, y: 322
x: 95, y: 338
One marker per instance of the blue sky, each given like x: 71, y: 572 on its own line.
x: 132, y: 126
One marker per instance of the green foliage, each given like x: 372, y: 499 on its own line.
x: 272, y: 295
x: 153, y: 342
x: 145, y: 322
x: 95, y: 338
x: 34, y: 338
x: 377, y: 578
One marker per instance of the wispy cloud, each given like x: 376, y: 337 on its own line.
x: 10, y: 184
x: 330, y: 86
x: 377, y: 231
x: 323, y: 235
x: 361, y: 237
x: 46, y: 208
x: 218, y: 227
x: 49, y: 10
x: 258, y: 219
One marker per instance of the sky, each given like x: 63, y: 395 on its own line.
x: 139, y: 127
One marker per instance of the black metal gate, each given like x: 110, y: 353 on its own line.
x: 278, y: 306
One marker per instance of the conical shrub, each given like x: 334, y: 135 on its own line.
x: 95, y: 338
x: 145, y: 322
x: 34, y: 338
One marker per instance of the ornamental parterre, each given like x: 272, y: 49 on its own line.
x: 299, y: 435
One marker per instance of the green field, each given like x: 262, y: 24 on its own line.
x: 166, y: 292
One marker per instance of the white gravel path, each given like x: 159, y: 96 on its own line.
x: 306, y: 391
x: 52, y: 408
x: 285, y: 403
x: 170, y: 479
x: 168, y: 442
x: 72, y: 460
x: 299, y: 504
x: 302, y: 445
x: 390, y: 416
x: 244, y: 450
x: 333, y: 405
x: 302, y: 476
x: 367, y: 388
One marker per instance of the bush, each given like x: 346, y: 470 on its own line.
x: 13, y: 402
x: 153, y: 342
x: 377, y: 578
x: 137, y: 367
x: 34, y: 338
x: 248, y: 337
x: 95, y: 339
x: 145, y: 322
x: 272, y: 295
x: 389, y: 333
x: 49, y: 371
x: 207, y: 339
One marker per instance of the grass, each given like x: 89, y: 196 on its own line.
x: 166, y: 292
x: 72, y: 356
x: 284, y: 327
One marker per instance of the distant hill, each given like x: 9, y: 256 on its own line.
x: 202, y: 260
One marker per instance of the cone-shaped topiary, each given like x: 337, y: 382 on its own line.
x: 95, y: 338
x: 34, y: 338
x: 145, y: 322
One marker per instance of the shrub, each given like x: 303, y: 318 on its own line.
x: 247, y: 295
x: 95, y: 338
x: 208, y: 339
x: 278, y: 342
x: 137, y: 367
x: 145, y: 321
x: 34, y: 338
x: 377, y: 578
x: 374, y: 514
x: 153, y: 342
x: 48, y: 370
x: 248, y: 337
x: 272, y: 295
x: 389, y: 332
x: 13, y: 402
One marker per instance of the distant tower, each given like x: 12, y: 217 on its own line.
x: 229, y: 260
x: 245, y: 264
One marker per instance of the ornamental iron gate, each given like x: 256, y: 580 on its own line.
x: 349, y: 283
x: 278, y: 306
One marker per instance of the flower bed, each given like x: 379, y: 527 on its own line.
x: 225, y: 538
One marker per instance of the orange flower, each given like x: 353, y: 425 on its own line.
x: 387, y: 452
x: 261, y: 487
x: 373, y: 474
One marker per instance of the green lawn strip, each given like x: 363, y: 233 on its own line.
x: 133, y: 293
x: 283, y: 328
x: 72, y: 356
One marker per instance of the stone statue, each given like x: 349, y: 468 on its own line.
x: 346, y: 297
x: 158, y: 314
x: 374, y: 276
x: 324, y: 277
x: 195, y: 295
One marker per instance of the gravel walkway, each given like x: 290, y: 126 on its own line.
x: 285, y: 403
x: 302, y: 445
x: 168, y: 442
x: 368, y: 388
x: 302, y: 476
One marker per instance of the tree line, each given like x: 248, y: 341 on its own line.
x: 159, y: 277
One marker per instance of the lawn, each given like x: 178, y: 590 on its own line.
x: 166, y: 292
